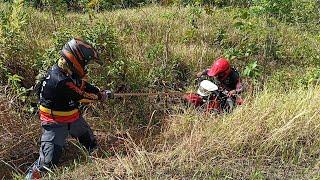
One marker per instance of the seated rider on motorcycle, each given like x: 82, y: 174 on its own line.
x: 228, y: 78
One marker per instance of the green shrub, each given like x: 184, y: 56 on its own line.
x: 289, y: 10
x: 253, y: 71
x: 218, y: 3
x: 15, y: 48
x: 83, y: 5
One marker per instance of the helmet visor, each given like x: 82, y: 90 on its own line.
x: 221, y: 75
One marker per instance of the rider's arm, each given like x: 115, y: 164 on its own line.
x: 239, y: 86
x: 203, y: 73
x: 70, y: 89
x: 90, y: 88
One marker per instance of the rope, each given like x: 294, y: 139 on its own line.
x: 150, y: 94
x: 86, y: 101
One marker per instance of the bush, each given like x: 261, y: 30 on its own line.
x: 289, y: 10
x: 83, y: 5
x: 15, y: 48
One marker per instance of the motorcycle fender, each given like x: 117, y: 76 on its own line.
x: 194, y: 99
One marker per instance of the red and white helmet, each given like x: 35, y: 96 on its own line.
x: 220, y: 69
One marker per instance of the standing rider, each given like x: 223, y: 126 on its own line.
x: 228, y: 78
x: 61, y: 91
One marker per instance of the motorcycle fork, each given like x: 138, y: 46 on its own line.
x: 213, y: 104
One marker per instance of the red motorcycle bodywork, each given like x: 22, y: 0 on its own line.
x: 197, y: 101
x: 213, y: 104
x: 194, y: 99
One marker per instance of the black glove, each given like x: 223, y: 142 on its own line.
x: 106, y: 94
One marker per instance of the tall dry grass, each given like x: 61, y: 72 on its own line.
x: 19, y: 134
x: 142, y: 30
x: 274, y: 135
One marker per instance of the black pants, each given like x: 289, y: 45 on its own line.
x: 54, y: 137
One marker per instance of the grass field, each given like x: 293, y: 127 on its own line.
x: 274, y: 135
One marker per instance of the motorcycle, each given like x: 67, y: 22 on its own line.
x: 210, y: 98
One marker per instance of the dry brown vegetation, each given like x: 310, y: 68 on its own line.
x: 275, y: 135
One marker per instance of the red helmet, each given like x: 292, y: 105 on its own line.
x: 78, y: 53
x: 221, y: 69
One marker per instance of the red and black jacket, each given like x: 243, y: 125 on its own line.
x: 60, y: 95
x: 232, y: 82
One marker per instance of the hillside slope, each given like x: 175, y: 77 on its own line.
x: 276, y: 134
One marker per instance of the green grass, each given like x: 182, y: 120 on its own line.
x: 275, y: 134
x: 164, y: 38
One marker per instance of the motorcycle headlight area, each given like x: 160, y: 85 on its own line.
x: 203, y: 92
